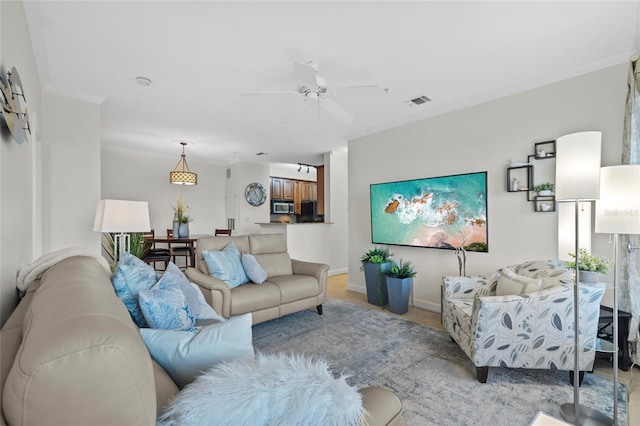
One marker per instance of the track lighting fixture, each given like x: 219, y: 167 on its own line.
x: 299, y: 167
x: 308, y: 166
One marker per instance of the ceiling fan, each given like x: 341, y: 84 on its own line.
x: 315, y: 92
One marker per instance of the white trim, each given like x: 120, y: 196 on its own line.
x: 418, y: 303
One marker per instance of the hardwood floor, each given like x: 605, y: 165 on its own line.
x: 337, y: 288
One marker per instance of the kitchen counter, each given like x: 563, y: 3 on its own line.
x: 305, y: 241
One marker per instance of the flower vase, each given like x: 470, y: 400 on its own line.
x: 183, y: 230
x: 176, y: 226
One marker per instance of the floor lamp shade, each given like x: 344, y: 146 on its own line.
x: 618, y: 209
x: 578, y: 166
x: 122, y: 216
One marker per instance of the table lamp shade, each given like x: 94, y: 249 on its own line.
x: 578, y: 166
x: 122, y: 216
x: 618, y: 209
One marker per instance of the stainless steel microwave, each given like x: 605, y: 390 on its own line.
x: 281, y: 207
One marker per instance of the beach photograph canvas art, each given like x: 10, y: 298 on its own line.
x: 445, y: 212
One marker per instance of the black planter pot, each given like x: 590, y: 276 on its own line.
x: 376, y: 282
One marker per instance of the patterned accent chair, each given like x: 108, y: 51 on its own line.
x: 521, y: 316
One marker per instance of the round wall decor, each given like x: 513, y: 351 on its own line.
x: 255, y: 194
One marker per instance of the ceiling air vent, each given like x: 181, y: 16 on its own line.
x: 420, y: 100
x: 228, y: 173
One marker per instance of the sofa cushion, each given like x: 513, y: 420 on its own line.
x: 296, y: 287
x: 185, y: 353
x: 131, y: 276
x: 253, y: 297
x: 166, y: 307
x: 253, y: 269
x: 511, y: 283
x: 226, y: 265
x: 275, y: 264
x: 268, y: 243
x: 166, y: 388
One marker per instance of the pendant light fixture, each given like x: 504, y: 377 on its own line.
x: 181, y: 175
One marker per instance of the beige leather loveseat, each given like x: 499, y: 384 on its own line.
x: 71, y: 355
x: 291, y: 286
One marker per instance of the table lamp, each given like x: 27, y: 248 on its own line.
x: 577, y: 180
x: 618, y: 212
x: 121, y: 217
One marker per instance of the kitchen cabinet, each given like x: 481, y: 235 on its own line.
x: 309, y: 191
x: 297, y: 197
x: 282, y: 189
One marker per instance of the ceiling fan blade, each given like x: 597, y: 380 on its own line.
x: 336, y: 110
x: 306, y: 73
x: 364, y: 91
x: 271, y: 92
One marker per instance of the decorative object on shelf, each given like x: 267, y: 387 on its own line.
x: 578, y: 179
x: 255, y: 194
x: 181, y: 175
x: 544, y: 189
x: 15, y: 115
x: 121, y: 217
x: 183, y: 230
x: 618, y: 212
x: 399, y: 282
x: 176, y: 223
x: 374, y: 263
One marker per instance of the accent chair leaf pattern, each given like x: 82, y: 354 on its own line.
x: 531, y: 330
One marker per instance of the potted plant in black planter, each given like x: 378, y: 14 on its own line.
x: 374, y: 263
x: 399, y: 282
x: 544, y: 189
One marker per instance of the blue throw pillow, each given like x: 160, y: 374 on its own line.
x: 253, y: 269
x: 164, y: 305
x: 185, y: 353
x: 226, y: 265
x: 131, y: 276
x: 194, y: 297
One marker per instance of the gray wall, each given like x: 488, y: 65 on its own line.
x: 484, y: 137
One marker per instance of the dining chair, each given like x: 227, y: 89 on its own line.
x: 179, y: 250
x: 152, y: 255
x: 222, y: 232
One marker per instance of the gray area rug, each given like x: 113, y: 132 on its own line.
x: 425, y: 368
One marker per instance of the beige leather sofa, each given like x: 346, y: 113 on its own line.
x: 291, y: 286
x: 71, y: 355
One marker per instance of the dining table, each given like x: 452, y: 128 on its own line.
x: 189, y: 242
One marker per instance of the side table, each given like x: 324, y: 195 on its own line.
x: 606, y: 319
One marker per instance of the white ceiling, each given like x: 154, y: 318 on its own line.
x: 202, y: 55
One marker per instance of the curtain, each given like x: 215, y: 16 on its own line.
x: 629, y: 261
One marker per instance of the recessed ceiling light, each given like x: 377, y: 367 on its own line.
x: 143, y: 81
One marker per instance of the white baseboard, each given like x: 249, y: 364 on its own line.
x: 418, y: 303
x: 340, y: 271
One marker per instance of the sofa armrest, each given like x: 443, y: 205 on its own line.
x: 318, y: 270
x: 456, y: 287
x: 216, y: 292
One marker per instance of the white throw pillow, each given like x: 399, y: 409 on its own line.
x: 185, y: 353
x: 511, y: 283
x: 275, y: 389
x: 253, y: 269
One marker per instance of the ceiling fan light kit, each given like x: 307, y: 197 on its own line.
x: 181, y: 175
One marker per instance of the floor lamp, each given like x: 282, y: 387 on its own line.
x: 121, y: 217
x: 618, y: 212
x: 578, y: 180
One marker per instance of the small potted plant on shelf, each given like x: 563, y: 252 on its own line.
x: 589, y: 265
x: 544, y: 189
x: 399, y: 281
x: 374, y: 263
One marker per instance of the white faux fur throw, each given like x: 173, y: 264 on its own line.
x: 275, y: 389
x: 31, y: 272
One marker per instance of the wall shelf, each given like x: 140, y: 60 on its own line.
x: 521, y: 177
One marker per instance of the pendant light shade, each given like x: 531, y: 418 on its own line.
x: 181, y: 175
x: 578, y: 166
